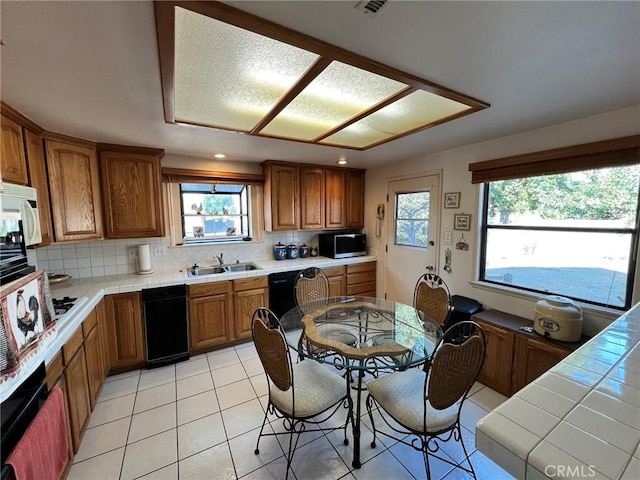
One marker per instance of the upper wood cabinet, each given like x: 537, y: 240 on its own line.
x: 354, y: 195
x: 131, y: 182
x: 14, y: 161
x: 312, y: 197
x: 282, y: 198
x: 40, y: 181
x: 74, y: 187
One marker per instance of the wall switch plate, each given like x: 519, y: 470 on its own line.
x: 448, y: 238
x: 133, y: 252
x: 159, y: 251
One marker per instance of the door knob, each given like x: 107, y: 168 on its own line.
x: 429, y: 267
x: 431, y: 243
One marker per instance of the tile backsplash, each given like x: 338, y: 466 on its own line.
x: 111, y: 257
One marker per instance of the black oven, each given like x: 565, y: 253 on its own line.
x: 13, y: 251
x: 19, y: 409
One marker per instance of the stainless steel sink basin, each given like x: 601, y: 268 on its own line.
x: 243, y: 267
x: 214, y: 270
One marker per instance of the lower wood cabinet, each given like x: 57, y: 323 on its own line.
x: 210, y: 315
x: 126, y: 331
x: 248, y: 294
x: 337, y: 284
x: 514, y: 357
x: 361, y: 279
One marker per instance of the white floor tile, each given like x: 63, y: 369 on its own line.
x: 243, y: 450
x: 199, y: 435
x: 214, y: 462
x: 194, y: 366
x: 157, y: 377
x: 194, y: 385
x: 103, y: 438
x: 260, y: 385
x: 108, y: 464
x: 384, y: 465
x: 170, y: 472
x: 246, y: 351
x: 226, y: 375
x: 242, y: 418
x: 235, y: 394
x: 155, y: 397
x: 151, y: 422
x: 487, y: 399
x: 110, y: 410
x: 318, y: 460
x: 253, y: 367
x: 149, y: 455
x: 223, y: 358
x: 119, y: 388
x: 197, y: 406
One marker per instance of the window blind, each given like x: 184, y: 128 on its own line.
x: 184, y: 175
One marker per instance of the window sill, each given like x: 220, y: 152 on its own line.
x: 209, y: 243
x: 609, y: 313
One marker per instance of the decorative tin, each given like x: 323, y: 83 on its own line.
x: 303, y: 251
x: 313, y: 251
x: 292, y: 251
x: 279, y: 251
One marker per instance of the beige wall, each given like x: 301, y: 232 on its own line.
x: 214, y: 165
x: 453, y: 166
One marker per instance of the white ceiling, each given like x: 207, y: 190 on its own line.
x: 90, y: 69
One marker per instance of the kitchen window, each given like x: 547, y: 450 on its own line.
x: 572, y: 232
x: 213, y: 212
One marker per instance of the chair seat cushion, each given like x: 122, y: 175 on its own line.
x: 401, y: 394
x: 316, y: 389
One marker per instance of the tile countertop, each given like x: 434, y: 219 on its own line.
x: 581, y: 419
x: 95, y: 288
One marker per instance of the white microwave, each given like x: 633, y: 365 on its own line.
x: 23, y: 200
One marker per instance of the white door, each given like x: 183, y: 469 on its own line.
x: 412, y: 234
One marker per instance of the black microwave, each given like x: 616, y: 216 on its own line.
x: 342, y: 245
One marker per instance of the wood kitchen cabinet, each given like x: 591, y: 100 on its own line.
x: 93, y: 351
x: 248, y: 294
x: 77, y: 387
x: 74, y: 187
x: 361, y: 279
x: 14, y: 160
x: 335, y: 199
x: 126, y: 331
x: 282, y: 196
x: 39, y: 180
x: 337, y: 281
x: 514, y: 357
x: 312, y: 198
x: 131, y: 184
x: 210, y: 315
x: 354, y: 195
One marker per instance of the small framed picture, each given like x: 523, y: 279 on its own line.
x: 462, y: 221
x: 198, y: 232
x: 231, y: 231
x: 452, y: 200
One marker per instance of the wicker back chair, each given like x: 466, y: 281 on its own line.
x: 311, y: 289
x: 302, y: 394
x: 431, y: 296
x: 426, y: 403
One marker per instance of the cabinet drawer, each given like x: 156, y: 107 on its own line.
x: 361, y: 267
x: 249, y: 283
x: 334, y: 271
x: 362, y: 289
x: 364, y: 277
x: 54, y: 370
x: 208, y: 289
x: 89, y: 323
x: 73, y: 344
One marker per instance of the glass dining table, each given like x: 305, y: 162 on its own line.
x: 363, y: 336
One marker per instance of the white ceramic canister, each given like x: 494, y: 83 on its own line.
x: 558, y: 318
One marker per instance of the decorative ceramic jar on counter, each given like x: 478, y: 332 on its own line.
x: 279, y: 251
x: 303, y: 251
x: 292, y: 251
x: 313, y: 251
x: 558, y: 318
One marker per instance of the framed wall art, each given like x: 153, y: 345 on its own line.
x: 462, y: 221
x: 452, y: 200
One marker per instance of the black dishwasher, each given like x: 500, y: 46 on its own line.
x: 281, y: 294
x: 165, y: 319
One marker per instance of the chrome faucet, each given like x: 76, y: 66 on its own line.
x: 219, y: 258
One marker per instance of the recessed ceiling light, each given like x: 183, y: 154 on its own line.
x: 220, y: 155
x: 342, y: 161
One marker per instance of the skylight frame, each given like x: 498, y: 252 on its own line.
x: 165, y: 25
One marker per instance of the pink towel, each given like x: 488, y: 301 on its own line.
x: 43, y: 450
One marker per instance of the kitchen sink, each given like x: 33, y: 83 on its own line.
x: 236, y: 267
x: 242, y: 267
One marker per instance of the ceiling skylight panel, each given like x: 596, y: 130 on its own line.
x: 416, y: 110
x: 337, y: 94
x: 229, y: 77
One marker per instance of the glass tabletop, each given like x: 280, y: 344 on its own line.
x: 368, y: 333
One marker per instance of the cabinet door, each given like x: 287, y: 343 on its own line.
x: 95, y: 368
x: 77, y: 396
x: 337, y: 286
x: 132, y: 194
x: 312, y: 184
x: 103, y: 329
x: 355, y: 199
x: 246, y: 303
x: 532, y: 359
x: 210, y: 321
x: 126, y: 330
x: 14, y: 162
x: 496, y: 370
x: 335, y: 199
x: 39, y: 181
x: 75, y: 191
x: 282, y: 197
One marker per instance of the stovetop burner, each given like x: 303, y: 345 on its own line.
x: 63, y: 305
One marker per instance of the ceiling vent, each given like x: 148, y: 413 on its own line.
x: 371, y: 8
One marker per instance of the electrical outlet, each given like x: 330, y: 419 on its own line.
x: 133, y: 252
x: 448, y: 238
x: 159, y: 251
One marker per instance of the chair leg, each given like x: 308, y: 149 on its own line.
x: 264, y: 421
x: 425, y: 453
x: 373, y: 425
x: 466, y: 454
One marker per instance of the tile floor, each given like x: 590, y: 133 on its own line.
x: 200, y: 419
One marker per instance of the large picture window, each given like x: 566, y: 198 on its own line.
x: 214, y: 212
x: 571, y: 234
